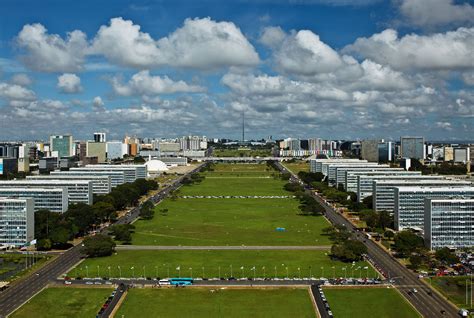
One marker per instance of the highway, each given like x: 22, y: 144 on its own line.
x: 23, y: 289
x: 428, y: 302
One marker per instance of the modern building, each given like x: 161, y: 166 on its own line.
x: 53, y: 199
x: 449, y: 223
x: 10, y: 150
x: 116, y: 150
x: 174, y: 161
x: 369, y: 150
x: 116, y: 177
x: 140, y: 170
x: 448, y: 153
x: 348, y: 178
x: 412, y: 147
x: 100, y: 137
x: 410, y: 203
x: 97, y: 149
x: 332, y: 168
x: 17, y: 219
x: 461, y: 155
x: 383, y: 191
x: 316, y: 165
x: 8, y: 165
x: 47, y: 164
x: 63, y: 144
x: 364, y: 185
x: 342, y: 171
x: 101, y: 185
x: 79, y: 191
x: 386, y: 151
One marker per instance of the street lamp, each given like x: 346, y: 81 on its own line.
x: 203, y: 271
x: 191, y: 270
x: 109, y: 271
x: 120, y: 271
x: 275, y: 272
x: 133, y: 271
x: 144, y: 275
x: 87, y: 271
x: 322, y: 271
x: 156, y: 271
x: 287, y: 275
x: 299, y: 273
x: 98, y: 273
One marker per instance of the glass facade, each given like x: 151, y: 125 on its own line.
x: 449, y: 223
x: 116, y: 177
x: 412, y: 147
x: 16, y: 221
x: 100, y: 184
x: 54, y: 199
x: 62, y: 144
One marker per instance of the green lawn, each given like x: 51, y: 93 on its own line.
x: 368, y: 303
x: 298, y: 166
x: 219, y: 302
x: 64, y: 302
x: 157, y: 263
x: 230, y: 222
x: 453, y: 288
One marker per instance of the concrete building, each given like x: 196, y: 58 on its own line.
x: 349, y: 177
x: 386, y: 150
x: 101, y: 185
x: 175, y: 161
x: 412, y: 147
x: 97, y: 149
x: 140, y: 170
x: 63, y: 144
x: 17, y: 219
x: 316, y: 165
x: 116, y: 177
x: 448, y: 153
x: 364, y: 186
x: 8, y: 165
x: 10, y: 150
x: 383, y: 196
x: 410, y: 203
x: 115, y: 150
x: 79, y: 191
x: 341, y: 172
x: 369, y: 150
x: 100, y: 137
x: 332, y: 168
x: 449, y: 223
x: 47, y: 164
x: 461, y: 155
x: 53, y: 199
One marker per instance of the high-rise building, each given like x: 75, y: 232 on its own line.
x: 461, y: 155
x: 115, y: 150
x: 62, y: 144
x: 8, y: 165
x: 52, y: 199
x: 100, y: 137
x: 412, y: 147
x: 449, y: 223
x: 448, y: 153
x: 410, y: 203
x: 386, y: 151
x: 97, y: 149
x: 16, y: 221
x: 369, y: 150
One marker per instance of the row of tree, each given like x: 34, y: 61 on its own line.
x: 344, y: 248
x: 54, y: 230
x: 308, y: 204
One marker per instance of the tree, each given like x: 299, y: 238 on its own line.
x: 43, y: 245
x: 446, y: 256
x: 349, y: 251
x: 147, y: 210
x: 415, y: 261
x: 104, y: 211
x: 389, y: 234
x: 407, y: 242
x: 368, y: 201
x: 98, y: 245
x: 122, y: 232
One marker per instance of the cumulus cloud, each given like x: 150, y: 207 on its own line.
x: 21, y: 79
x: 98, y: 104
x: 199, y: 43
x: 49, y: 52
x: 431, y: 13
x: 16, y: 92
x: 142, y: 83
x: 272, y: 36
x: 69, y: 83
x: 440, y: 51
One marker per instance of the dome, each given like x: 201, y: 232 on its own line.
x: 154, y: 166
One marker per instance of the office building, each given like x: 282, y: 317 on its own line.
x: 369, y: 150
x: 316, y: 165
x: 348, y: 178
x: 97, y: 149
x: 79, y: 191
x: 53, y: 199
x: 363, y: 186
x: 47, y: 164
x: 174, y: 161
x: 17, y: 219
x: 115, y: 150
x: 101, y: 185
x: 100, y: 137
x: 461, y: 155
x: 386, y: 151
x: 62, y: 144
x: 341, y: 172
x: 10, y: 150
x: 140, y: 170
x: 412, y: 147
x: 8, y: 166
x: 449, y: 223
x: 116, y: 177
x: 410, y: 203
x: 383, y: 191
x: 448, y: 153
x: 331, y: 168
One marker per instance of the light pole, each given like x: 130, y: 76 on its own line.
x: 253, y: 273
x: 275, y: 272
x: 219, y: 269
x: 264, y: 272
x: 133, y: 271
x: 168, y: 270
x: 231, y: 271
x: 310, y: 274
x: 242, y: 268
x: 108, y: 267
x: 144, y: 275
x: 299, y: 272
x: 287, y: 275
x: 203, y: 271
x: 120, y: 271
x: 98, y: 272
x: 322, y: 271
x: 191, y: 271
x: 87, y: 271
x: 334, y: 272
x: 156, y: 271
x: 345, y: 272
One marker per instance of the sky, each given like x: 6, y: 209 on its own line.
x: 337, y: 69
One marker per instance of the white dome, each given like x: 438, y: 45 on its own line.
x: 156, y: 166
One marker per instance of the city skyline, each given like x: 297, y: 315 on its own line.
x: 335, y: 69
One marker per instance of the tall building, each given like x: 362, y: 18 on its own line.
x: 448, y: 153
x: 97, y: 149
x: 369, y: 150
x: 386, y: 151
x: 449, y: 223
x: 341, y: 172
x: 412, y: 147
x: 410, y: 203
x: 363, y: 186
x: 316, y: 165
x: 53, y: 199
x: 16, y: 221
x: 115, y: 150
x: 100, y: 184
x: 462, y: 155
x: 332, y: 168
x: 100, y: 137
x: 62, y: 144
x: 116, y: 177
x: 8, y: 165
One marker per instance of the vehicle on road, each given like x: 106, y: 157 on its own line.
x: 181, y: 281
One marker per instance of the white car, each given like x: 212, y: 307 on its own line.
x: 164, y: 282
x: 67, y: 282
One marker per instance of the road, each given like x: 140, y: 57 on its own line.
x: 242, y: 247
x: 428, y: 302
x: 22, y: 290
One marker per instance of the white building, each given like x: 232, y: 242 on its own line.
x: 53, y: 199
x: 115, y: 150
x: 116, y: 177
x: 101, y: 185
x: 17, y: 221
x: 332, y: 168
x: 316, y: 165
x: 140, y: 170
x: 341, y: 172
x: 352, y: 177
x: 410, y: 203
x: 449, y: 223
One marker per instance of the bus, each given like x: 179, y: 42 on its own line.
x: 181, y: 281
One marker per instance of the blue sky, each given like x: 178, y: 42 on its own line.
x: 303, y: 68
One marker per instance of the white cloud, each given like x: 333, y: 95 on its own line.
x: 21, y: 79
x: 98, y: 104
x: 431, y: 13
x: 16, y: 92
x: 444, y: 125
x: 440, y: 51
x: 142, y: 83
x: 199, y: 43
x: 49, y: 52
x: 69, y: 83
x: 272, y: 36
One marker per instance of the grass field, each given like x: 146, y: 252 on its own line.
x: 453, y: 288
x: 243, y: 152
x: 221, y: 222
x: 368, y: 303
x: 158, y: 263
x: 64, y: 302
x: 209, y: 303
x: 298, y: 166
x: 235, y: 185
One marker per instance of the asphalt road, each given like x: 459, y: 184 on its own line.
x: 225, y: 247
x: 428, y: 302
x: 19, y: 292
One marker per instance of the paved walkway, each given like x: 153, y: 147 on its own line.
x: 242, y: 247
